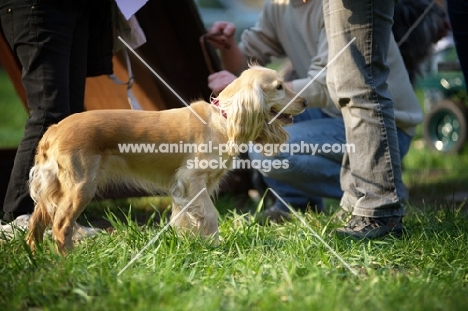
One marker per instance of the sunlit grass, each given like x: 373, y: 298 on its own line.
x: 254, y: 267
x: 13, y: 115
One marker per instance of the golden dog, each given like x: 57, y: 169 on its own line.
x: 80, y: 156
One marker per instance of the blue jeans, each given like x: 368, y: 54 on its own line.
x: 312, y: 176
x: 370, y: 177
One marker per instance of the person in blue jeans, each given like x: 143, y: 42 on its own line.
x: 371, y: 177
x: 296, y: 29
x: 58, y: 44
x: 313, y: 172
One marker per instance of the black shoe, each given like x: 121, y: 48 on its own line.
x: 272, y: 214
x: 360, y: 227
x: 279, y: 215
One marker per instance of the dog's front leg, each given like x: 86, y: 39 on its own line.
x: 200, y: 217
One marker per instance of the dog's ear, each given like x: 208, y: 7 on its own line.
x: 273, y: 133
x: 246, y: 113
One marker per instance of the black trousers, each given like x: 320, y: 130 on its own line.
x: 458, y: 13
x: 50, y: 39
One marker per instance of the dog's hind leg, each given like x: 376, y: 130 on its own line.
x: 45, y: 191
x: 78, y: 185
x: 68, y: 211
x: 62, y: 227
x: 38, y: 222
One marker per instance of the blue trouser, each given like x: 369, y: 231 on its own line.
x: 50, y: 39
x: 312, y: 176
x: 371, y: 177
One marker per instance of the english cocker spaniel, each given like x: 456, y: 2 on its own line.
x: 82, y: 154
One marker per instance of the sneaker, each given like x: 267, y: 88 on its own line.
x: 341, y: 217
x: 81, y: 232
x: 360, y: 227
x: 21, y: 224
x: 273, y: 214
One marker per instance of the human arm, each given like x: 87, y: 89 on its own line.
x: 257, y: 45
x: 221, y: 36
x: 311, y: 71
x: 219, y: 80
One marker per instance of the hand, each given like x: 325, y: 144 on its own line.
x: 221, y: 35
x: 219, y: 80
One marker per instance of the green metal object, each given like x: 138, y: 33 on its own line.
x: 445, y: 104
x: 445, y: 126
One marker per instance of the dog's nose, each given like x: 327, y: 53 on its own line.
x: 304, y: 103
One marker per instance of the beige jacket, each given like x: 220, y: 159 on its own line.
x: 293, y: 29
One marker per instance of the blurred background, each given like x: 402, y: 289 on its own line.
x: 435, y: 167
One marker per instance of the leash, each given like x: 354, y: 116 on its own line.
x: 132, y: 101
x: 218, y: 38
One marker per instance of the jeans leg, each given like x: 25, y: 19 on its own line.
x: 296, y: 198
x: 41, y: 33
x: 312, y: 173
x: 370, y: 176
x: 310, y: 177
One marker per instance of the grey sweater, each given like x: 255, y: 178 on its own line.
x: 296, y: 30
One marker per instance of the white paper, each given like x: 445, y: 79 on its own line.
x: 130, y: 7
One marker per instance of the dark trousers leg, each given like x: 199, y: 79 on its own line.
x: 458, y: 13
x: 50, y: 40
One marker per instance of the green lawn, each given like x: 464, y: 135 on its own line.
x: 254, y: 268
x: 12, y: 114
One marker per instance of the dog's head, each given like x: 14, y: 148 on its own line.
x: 418, y: 25
x: 257, y: 105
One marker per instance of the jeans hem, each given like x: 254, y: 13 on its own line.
x: 390, y: 211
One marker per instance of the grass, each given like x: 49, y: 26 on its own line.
x: 13, y: 115
x: 254, y: 267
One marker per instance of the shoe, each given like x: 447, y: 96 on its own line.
x: 21, y: 224
x: 81, y: 232
x: 273, y: 214
x: 360, y: 227
x: 340, y: 217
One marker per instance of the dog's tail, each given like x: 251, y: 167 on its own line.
x: 44, y: 189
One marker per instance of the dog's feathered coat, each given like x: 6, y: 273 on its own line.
x: 80, y: 156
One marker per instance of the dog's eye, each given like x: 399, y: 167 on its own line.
x: 279, y: 87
